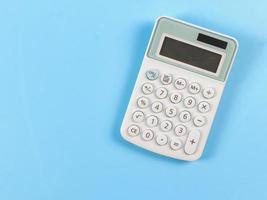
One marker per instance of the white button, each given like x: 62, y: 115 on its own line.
x: 192, y: 142
x: 147, y: 88
x: 152, y: 74
x: 176, y: 144
x: 156, y: 107
x: 180, y: 130
x: 152, y: 121
x: 170, y: 111
x: 133, y: 130
x: 138, y: 116
x: 203, y: 107
x: 166, y: 125
x: 162, y: 139
x: 180, y: 83
x: 161, y: 93
x: 142, y: 102
x: 194, y: 88
x: 185, y: 116
x: 147, y: 134
x: 208, y: 93
x: 199, y: 121
x: 189, y: 102
x: 175, y: 97
x: 166, y: 79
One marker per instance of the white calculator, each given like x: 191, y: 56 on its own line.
x: 178, y: 89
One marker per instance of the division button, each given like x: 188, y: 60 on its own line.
x: 208, y: 93
x: 161, y: 139
x: 147, y: 135
x: 152, y: 74
x: 192, y: 142
x: 133, y: 130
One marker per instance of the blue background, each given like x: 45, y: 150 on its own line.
x: 67, y: 69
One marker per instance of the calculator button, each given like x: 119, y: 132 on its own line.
x: 166, y: 79
x: 152, y: 74
x: 175, y: 97
x: 180, y: 83
x: 199, y: 121
x: 147, y: 88
x: 157, y: 107
x: 161, y: 93
x: 147, y: 135
x: 189, y: 102
x: 166, y: 125
x: 180, y: 130
x: 208, y: 93
x: 185, y: 116
x: 138, y: 116
x: 176, y: 144
x: 203, y: 107
x: 161, y: 139
x: 170, y: 111
x: 192, y: 142
x: 142, y: 102
x: 194, y: 88
x: 152, y: 121
x: 133, y: 130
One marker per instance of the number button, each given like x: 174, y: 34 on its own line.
x: 180, y: 83
x: 162, y: 139
x: 208, y: 93
x: 152, y: 74
x: 176, y: 144
x: 147, y: 88
x: 166, y: 125
x: 180, y: 130
x: 203, y: 107
x: 170, y: 111
x: 185, y: 116
x: 156, y: 107
x: 161, y: 93
x: 142, y: 102
x: 192, y: 142
x: 138, y: 116
x: 176, y: 97
x: 133, y: 130
x: 152, y: 121
x: 189, y: 102
x: 166, y: 79
x: 194, y: 88
x: 147, y: 135
x: 199, y: 121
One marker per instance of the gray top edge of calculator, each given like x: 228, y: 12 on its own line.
x: 189, y: 32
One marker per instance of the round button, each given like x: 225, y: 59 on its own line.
x: 204, y: 107
x: 133, y: 130
x: 194, y: 88
x: 185, y: 116
x: 180, y: 83
x: 189, y: 102
x: 152, y: 74
x: 176, y: 144
x: 147, y: 88
x: 157, y: 107
x: 166, y: 79
x: 161, y: 93
x: 199, y: 121
x: 170, y: 111
x: 138, y: 116
x: 166, y: 125
x: 142, y: 102
x: 175, y: 97
x: 147, y: 135
x: 161, y: 139
x: 208, y: 93
x: 180, y: 130
x: 152, y: 121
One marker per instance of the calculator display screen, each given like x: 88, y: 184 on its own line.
x: 189, y: 54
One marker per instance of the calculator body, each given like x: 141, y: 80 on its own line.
x: 178, y: 89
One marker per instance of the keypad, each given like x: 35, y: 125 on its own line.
x: 171, y: 111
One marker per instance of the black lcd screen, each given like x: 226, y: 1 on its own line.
x: 190, y: 54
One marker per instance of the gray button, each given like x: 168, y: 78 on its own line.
x: 152, y: 74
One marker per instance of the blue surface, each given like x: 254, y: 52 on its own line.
x: 67, y: 69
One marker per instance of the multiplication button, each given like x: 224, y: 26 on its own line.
x: 152, y: 74
x: 204, y: 107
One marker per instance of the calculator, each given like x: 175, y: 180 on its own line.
x: 178, y: 89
